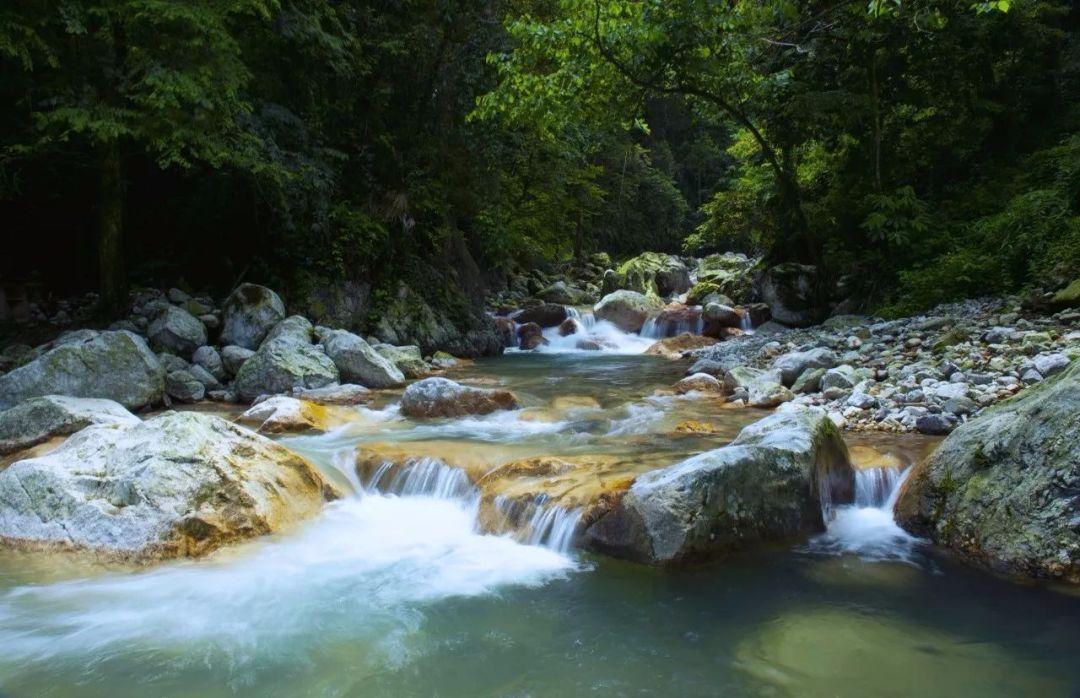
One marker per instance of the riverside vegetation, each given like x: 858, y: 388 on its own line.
x: 540, y: 348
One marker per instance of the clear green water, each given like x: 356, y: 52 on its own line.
x: 400, y: 596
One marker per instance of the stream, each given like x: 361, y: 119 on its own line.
x: 395, y: 591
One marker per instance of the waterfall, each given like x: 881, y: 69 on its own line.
x: 539, y: 523
x: 745, y: 323
x: 658, y: 327
x: 876, y: 487
x: 422, y: 477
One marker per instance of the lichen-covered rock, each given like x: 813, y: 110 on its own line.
x: 281, y: 365
x: 1002, y: 489
x: 294, y: 328
x: 563, y: 294
x: 767, y: 393
x: 176, y: 331
x: 727, y: 274
x: 115, y: 366
x: 627, y: 310
x: 407, y: 319
x: 249, y: 313
x: 675, y: 347
x: 700, y: 383
x: 771, y: 483
x: 182, y: 386
x: 407, y: 359
x: 31, y: 422
x: 181, y: 484
x: 790, y: 290
x: 210, y: 359
x: 441, y: 397
x: 233, y: 357
x: 358, y: 362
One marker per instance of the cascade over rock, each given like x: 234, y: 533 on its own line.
x: 771, y: 483
x: 627, y: 310
x: 1001, y: 490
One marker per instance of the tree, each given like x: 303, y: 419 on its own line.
x: 112, y: 77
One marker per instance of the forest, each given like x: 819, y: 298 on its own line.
x: 919, y: 151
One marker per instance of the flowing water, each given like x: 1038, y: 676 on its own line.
x: 396, y: 591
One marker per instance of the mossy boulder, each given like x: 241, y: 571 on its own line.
x: 627, y: 310
x: 249, y: 313
x: 1068, y: 297
x: 281, y: 365
x: 1001, y: 489
x: 728, y: 274
x: 654, y: 273
x: 772, y: 483
x: 115, y: 366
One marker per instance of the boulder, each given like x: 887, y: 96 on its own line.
x: 775, y: 482
x: 563, y: 294
x: 115, y: 366
x: 233, y: 357
x: 407, y: 319
x: 181, y: 484
x: 294, y: 328
x: 568, y: 327
x: 792, y: 364
x: 1068, y: 297
x: 408, y: 359
x: 530, y: 336
x: 699, y: 382
x: 210, y: 359
x: 675, y: 347
x: 441, y: 397
x: 40, y: 418
x: 505, y: 330
x: 279, y: 366
x: 358, y: 362
x: 545, y: 315
x: 281, y: 414
x: 654, y: 273
x: 790, y: 290
x: 729, y: 274
x: 347, y: 394
x: 249, y: 313
x: 766, y: 393
x: 176, y: 331
x: 717, y: 317
x: 182, y: 386
x: 627, y: 310
x: 1001, y: 490
x: 205, y: 377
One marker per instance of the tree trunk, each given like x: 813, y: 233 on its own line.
x: 112, y: 283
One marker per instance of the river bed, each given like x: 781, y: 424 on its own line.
x: 394, y: 590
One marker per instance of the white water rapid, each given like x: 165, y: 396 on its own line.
x: 866, y: 527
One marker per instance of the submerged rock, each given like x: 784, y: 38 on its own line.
x: 109, y: 365
x: 441, y: 397
x: 770, y: 484
x: 1001, y: 490
x: 280, y: 366
x: 31, y: 422
x: 627, y: 310
x: 181, y: 484
x: 249, y: 313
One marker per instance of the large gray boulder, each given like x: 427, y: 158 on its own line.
x: 281, y: 365
x: 233, y: 357
x: 294, y: 328
x: 210, y: 359
x: 40, y: 418
x: 180, y: 484
x: 358, y: 362
x: 791, y: 292
x: 249, y: 313
x: 654, y: 273
x: 627, y: 310
x: 176, y: 331
x: 774, y: 482
x: 109, y: 365
x: 1003, y: 489
x: 441, y: 397
x: 792, y: 364
x: 407, y: 359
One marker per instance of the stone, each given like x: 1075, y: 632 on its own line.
x: 772, y: 483
x: 530, y: 336
x: 741, y: 377
x: 699, y: 382
x: 568, y: 327
x: 358, y: 362
x: 294, y: 328
x: 205, y: 377
x: 281, y: 414
x: 177, y: 485
x: 182, y: 386
x: 210, y: 359
x: 442, y: 359
x: 407, y: 359
x: 544, y: 315
x: 172, y: 362
x: 675, y: 347
x: 346, y: 394
x: 279, y: 366
x: 116, y: 366
x: 233, y: 357
x: 563, y: 294
x: 792, y: 364
x: 842, y: 377
x: 176, y: 331
x: 441, y: 397
x: 627, y: 310
x: 790, y: 290
x: 717, y: 317
x: 1068, y: 297
x: 809, y: 381
x: 1001, y: 490
x: 505, y: 330
x: 935, y: 424
x: 40, y: 418
x: 654, y: 273
x: 248, y: 315
x: 767, y: 393
x: 177, y: 296
x: 1050, y: 364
